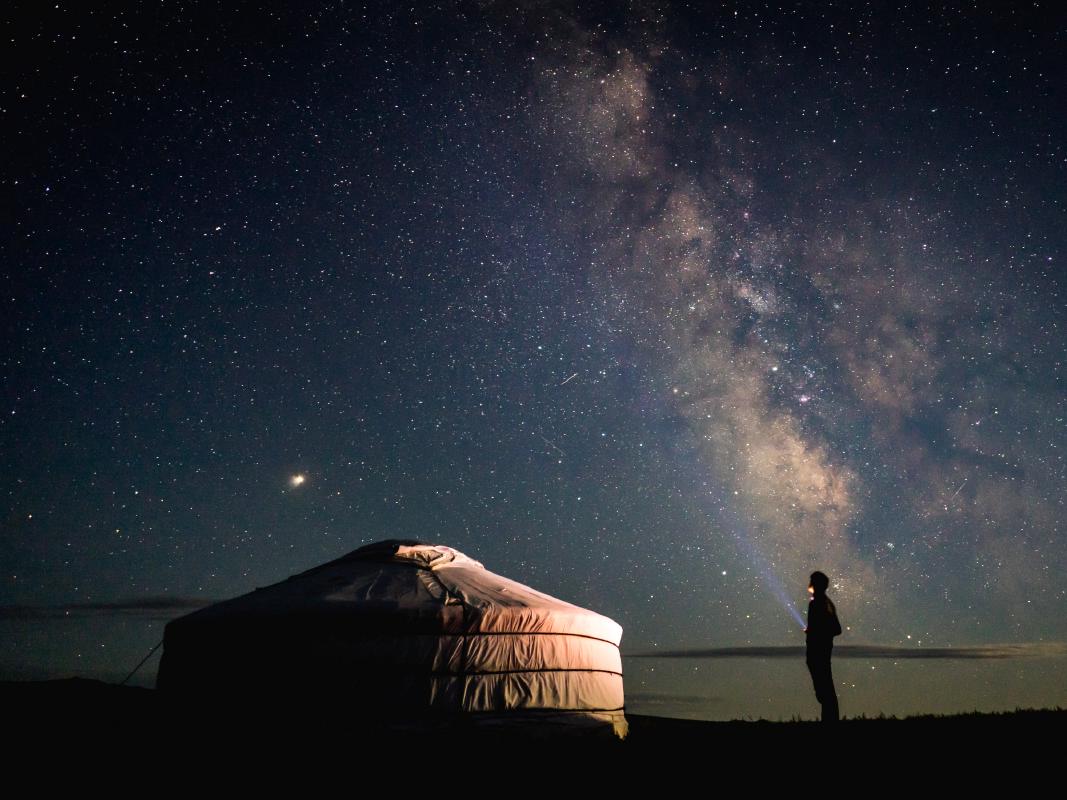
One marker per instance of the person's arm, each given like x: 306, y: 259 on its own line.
x: 818, y: 624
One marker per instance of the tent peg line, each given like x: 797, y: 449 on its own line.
x: 143, y: 660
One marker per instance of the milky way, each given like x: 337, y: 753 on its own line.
x: 835, y: 347
x: 655, y: 308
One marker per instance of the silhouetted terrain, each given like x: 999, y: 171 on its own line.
x: 95, y: 719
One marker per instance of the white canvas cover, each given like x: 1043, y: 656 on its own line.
x: 399, y: 629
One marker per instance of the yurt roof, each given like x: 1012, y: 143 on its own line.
x: 422, y: 588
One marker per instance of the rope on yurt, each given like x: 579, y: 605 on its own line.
x: 143, y: 660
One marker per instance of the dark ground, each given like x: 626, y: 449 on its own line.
x: 90, y: 736
x: 84, y: 699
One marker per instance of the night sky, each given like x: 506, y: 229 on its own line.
x: 656, y: 308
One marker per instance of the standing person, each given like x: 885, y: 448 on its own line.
x: 823, y: 626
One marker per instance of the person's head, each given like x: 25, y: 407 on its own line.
x: 818, y: 584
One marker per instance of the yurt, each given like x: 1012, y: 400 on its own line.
x: 405, y: 632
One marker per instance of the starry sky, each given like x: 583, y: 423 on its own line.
x: 655, y: 307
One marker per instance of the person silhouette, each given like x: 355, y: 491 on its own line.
x: 823, y: 626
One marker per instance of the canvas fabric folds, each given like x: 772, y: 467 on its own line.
x: 401, y: 629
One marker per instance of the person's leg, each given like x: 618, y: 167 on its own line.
x: 822, y: 680
x: 816, y: 683
x: 830, y: 711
